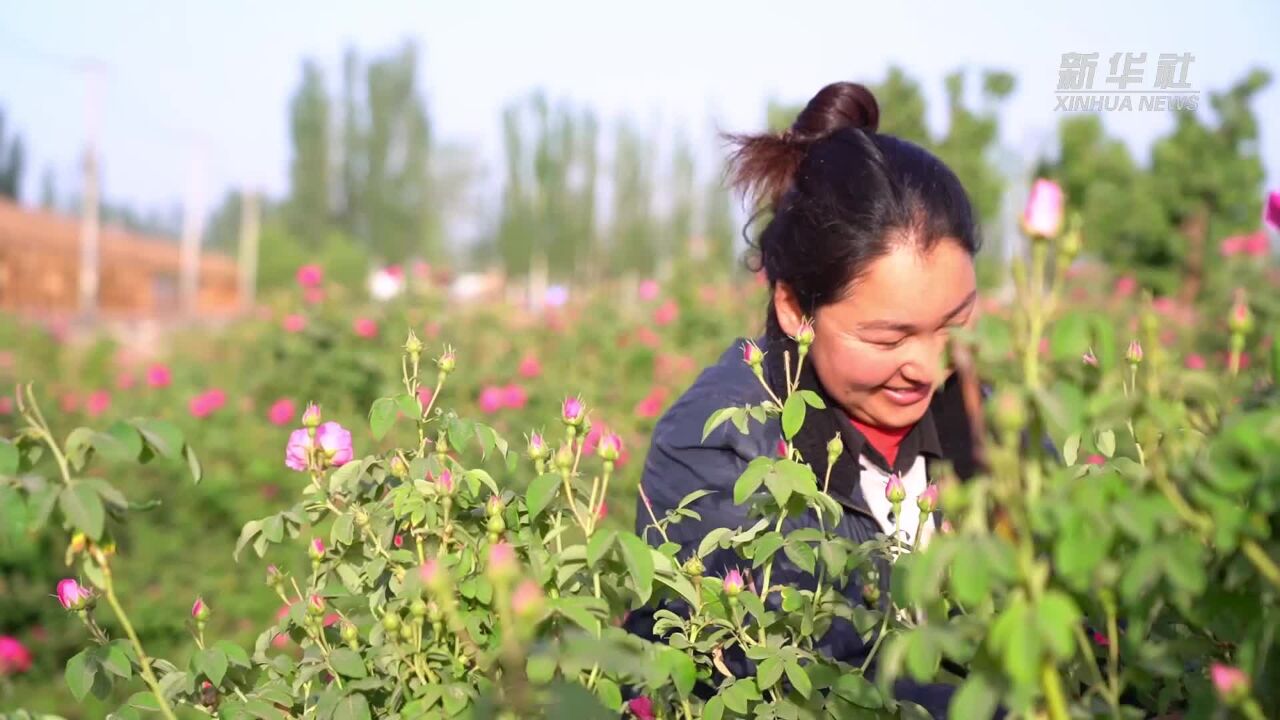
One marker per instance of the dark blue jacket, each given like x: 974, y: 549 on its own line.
x: 680, y: 462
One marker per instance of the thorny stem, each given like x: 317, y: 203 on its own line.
x: 888, y: 611
x: 1086, y: 651
x: 144, y: 662
x: 644, y: 497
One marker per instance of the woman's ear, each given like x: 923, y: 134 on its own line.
x: 787, y: 308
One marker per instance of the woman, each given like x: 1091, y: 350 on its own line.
x: 872, y: 238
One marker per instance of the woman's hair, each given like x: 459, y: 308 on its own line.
x: 841, y: 195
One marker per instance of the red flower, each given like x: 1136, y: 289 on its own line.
x: 641, y: 708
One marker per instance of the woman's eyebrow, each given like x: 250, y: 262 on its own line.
x: 902, y: 327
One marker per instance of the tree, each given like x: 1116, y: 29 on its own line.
x: 12, y: 162
x: 308, y: 210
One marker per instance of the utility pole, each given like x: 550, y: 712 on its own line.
x: 192, y: 230
x: 89, y: 222
x: 249, y: 224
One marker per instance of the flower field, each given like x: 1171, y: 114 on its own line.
x: 449, y: 528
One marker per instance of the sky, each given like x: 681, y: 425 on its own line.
x: 193, y: 95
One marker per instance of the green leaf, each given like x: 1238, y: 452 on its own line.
x: 780, y: 487
x: 9, y: 458
x: 348, y: 662
x: 751, y: 478
x: 193, y: 464
x: 79, y: 444
x: 599, y: 544
x: 408, y: 404
x: 717, y: 419
x: 711, y: 541
x: 1057, y: 617
x: 681, y: 670
x: 923, y: 655
x: 352, y: 707
x: 714, y: 709
x: 382, y: 416
x: 1070, y: 336
x: 799, y: 678
x: 82, y: 506
x: 213, y: 663
x: 970, y: 577
x: 541, y: 492
x: 792, y: 415
x: 115, y: 661
x: 609, y: 693
x: 540, y: 669
x: 121, y: 442
x: 812, y: 399
x: 1107, y: 443
x: 639, y: 559
x: 1071, y: 449
x: 764, y: 547
x: 234, y: 653
x: 802, y: 556
x: 162, y: 436
x: 247, y: 533
x: 858, y: 690
x: 79, y: 674
x: 976, y: 698
x: 343, y: 530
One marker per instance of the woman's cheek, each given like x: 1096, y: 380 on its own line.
x: 864, y: 370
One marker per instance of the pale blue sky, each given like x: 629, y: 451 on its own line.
x: 223, y: 71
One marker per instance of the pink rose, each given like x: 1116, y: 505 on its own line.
x: 491, y: 398
x: 297, y: 452
x: 158, y: 376
x: 1271, y: 214
x: 365, y: 328
x: 1125, y: 286
x: 294, y: 323
x: 310, y: 276
x: 1043, y: 214
x: 649, y: 290
x: 530, y: 367
x: 281, y: 412
x: 335, y: 442
x: 666, y: 313
x: 1195, y: 361
x: 514, y: 396
x: 14, y: 656
x: 98, y: 403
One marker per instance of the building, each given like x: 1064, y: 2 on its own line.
x: 138, y: 274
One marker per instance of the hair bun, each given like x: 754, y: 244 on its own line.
x: 837, y: 106
x: 764, y: 166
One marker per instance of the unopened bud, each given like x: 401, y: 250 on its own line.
x: 502, y: 561
x: 413, y: 345
x: 1009, y: 412
x: 311, y: 416
x: 733, y: 583
x: 609, y: 447
x: 565, y: 457
x: 390, y: 622
x: 447, y: 361
x: 835, y: 447
x: 349, y: 632
x: 317, y: 549
x: 804, y: 335
x: 495, y: 506
x: 693, y: 567
x: 399, y: 468
x: 894, y: 491
x: 752, y: 354
x: 1134, y: 354
x: 199, y: 611
x: 418, y: 609
x: 315, y: 605
x: 537, y: 448
x: 1240, y: 321
x: 527, y: 601
x: 928, y: 500
x: 572, y: 411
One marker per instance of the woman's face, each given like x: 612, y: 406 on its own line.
x: 879, y: 351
